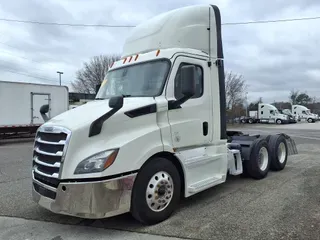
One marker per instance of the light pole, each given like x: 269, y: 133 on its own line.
x: 247, y: 104
x: 60, y: 76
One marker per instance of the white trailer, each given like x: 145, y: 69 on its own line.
x: 156, y: 131
x: 268, y: 113
x: 304, y: 114
x: 20, y: 105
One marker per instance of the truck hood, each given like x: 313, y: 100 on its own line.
x: 280, y: 115
x: 84, y: 115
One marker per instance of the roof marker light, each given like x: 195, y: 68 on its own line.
x: 130, y: 59
x: 158, y: 52
x: 124, y: 60
x: 136, y: 57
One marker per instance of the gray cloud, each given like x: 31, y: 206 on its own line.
x: 274, y: 58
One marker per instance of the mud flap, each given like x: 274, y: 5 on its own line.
x: 292, y: 148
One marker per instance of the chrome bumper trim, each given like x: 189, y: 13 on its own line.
x: 57, y: 154
x: 54, y: 175
x: 93, y: 200
x: 44, y: 185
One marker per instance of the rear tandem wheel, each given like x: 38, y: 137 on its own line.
x: 278, y: 151
x: 258, y: 164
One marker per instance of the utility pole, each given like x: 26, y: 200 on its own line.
x: 247, y: 105
x: 60, y: 76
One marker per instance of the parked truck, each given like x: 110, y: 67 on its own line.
x: 304, y: 114
x: 20, y: 104
x: 267, y: 113
x: 156, y: 131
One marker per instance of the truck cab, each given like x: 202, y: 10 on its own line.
x: 267, y: 113
x: 156, y: 131
x: 292, y: 118
x: 304, y: 114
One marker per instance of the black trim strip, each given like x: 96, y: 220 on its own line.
x: 96, y: 125
x: 152, y: 108
x: 44, y: 192
x: 172, y: 105
x: 98, y: 179
x: 220, y: 65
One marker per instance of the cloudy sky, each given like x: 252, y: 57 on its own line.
x: 274, y: 58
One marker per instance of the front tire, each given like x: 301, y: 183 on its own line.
x: 156, y: 191
x: 258, y: 164
x: 310, y: 120
x: 279, y: 121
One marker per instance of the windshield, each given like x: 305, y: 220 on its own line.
x: 308, y: 112
x: 140, y: 80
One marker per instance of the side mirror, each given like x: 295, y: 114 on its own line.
x: 116, y: 102
x: 188, y: 77
x: 43, y: 110
x: 97, y: 88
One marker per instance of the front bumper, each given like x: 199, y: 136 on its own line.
x: 92, y: 200
x: 292, y: 120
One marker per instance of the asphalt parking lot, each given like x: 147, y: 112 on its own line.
x: 285, y: 205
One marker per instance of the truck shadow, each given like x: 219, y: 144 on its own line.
x: 202, y: 199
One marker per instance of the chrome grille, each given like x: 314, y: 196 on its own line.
x: 49, y: 151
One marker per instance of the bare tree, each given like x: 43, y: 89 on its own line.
x: 293, y: 96
x: 93, y: 73
x: 235, y: 90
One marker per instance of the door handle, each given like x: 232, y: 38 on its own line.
x: 205, y: 127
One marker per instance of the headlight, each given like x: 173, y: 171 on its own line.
x: 97, y: 162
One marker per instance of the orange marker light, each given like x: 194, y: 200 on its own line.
x: 136, y: 57
x: 130, y: 59
x: 158, y: 52
x: 111, y: 159
x: 124, y: 61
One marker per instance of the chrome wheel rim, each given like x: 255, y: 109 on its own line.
x: 263, y: 158
x: 281, y: 152
x: 159, y: 191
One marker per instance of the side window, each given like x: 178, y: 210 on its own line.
x: 261, y: 112
x: 271, y: 112
x: 178, y: 81
x: 304, y: 112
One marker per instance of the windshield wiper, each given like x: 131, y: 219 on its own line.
x: 123, y: 95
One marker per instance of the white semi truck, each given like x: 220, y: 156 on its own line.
x: 20, y: 104
x: 156, y: 131
x: 267, y: 113
x: 304, y: 114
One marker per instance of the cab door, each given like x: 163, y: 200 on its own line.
x: 191, y: 124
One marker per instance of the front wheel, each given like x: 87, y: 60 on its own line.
x: 310, y: 120
x: 156, y: 191
x: 279, y: 121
